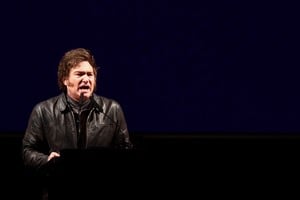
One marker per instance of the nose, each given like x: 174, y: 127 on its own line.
x: 85, y: 79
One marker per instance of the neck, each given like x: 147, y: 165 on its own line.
x: 79, y: 99
x: 77, y: 105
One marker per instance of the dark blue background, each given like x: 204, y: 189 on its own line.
x: 175, y: 66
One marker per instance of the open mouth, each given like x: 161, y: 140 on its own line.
x: 84, y: 88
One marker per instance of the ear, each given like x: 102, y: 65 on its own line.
x: 66, y: 82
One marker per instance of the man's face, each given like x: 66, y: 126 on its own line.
x: 81, y: 80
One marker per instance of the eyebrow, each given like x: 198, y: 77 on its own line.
x: 82, y: 72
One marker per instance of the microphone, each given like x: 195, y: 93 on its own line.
x: 122, y: 144
x: 100, y: 109
x: 111, y: 119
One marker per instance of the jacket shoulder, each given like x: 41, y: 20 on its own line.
x: 47, y: 103
x: 105, y: 101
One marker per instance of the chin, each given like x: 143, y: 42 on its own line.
x: 88, y: 94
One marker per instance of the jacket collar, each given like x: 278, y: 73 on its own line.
x: 64, y: 107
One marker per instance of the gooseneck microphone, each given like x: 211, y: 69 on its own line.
x: 105, y: 114
x: 122, y: 141
x: 111, y: 119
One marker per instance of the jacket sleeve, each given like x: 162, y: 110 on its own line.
x: 34, y: 145
x: 122, y: 135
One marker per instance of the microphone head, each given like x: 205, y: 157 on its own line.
x: 99, y: 108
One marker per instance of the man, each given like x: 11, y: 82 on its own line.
x: 75, y: 119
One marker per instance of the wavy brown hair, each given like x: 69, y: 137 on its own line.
x: 71, y: 59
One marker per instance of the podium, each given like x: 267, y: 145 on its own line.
x: 88, y: 174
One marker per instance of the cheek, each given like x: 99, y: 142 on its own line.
x: 68, y: 83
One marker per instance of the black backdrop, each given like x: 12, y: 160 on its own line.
x: 175, y: 66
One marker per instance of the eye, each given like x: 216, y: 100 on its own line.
x: 79, y: 74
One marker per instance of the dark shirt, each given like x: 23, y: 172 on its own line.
x: 80, y: 112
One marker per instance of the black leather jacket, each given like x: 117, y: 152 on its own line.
x: 52, y: 127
